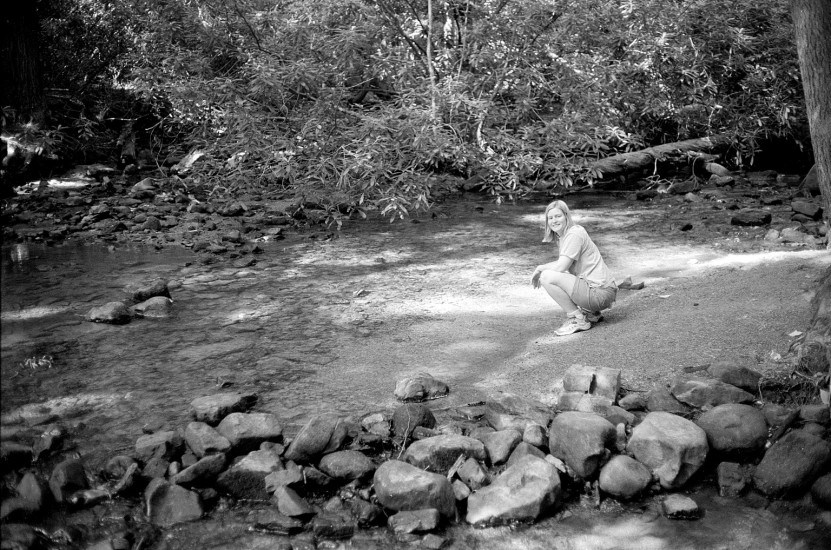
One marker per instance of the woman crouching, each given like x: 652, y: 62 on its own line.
x: 578, y: 280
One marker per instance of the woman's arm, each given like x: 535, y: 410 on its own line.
x: 561, y: 264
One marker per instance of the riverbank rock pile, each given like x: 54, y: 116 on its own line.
x: 406, y: 475
x: 96, y: 203
x: 150, y: 301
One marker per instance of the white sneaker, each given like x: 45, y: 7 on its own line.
x: 572, y: 325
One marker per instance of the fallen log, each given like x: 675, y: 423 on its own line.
x: 638, y: 164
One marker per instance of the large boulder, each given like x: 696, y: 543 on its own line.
x: 401, y: 486
x: 419, y: 388
x: 735, y: 429
x: 320, y: 435
x: 708, y: 393
x: 213, y: 408
x: 580, y: 439
x: 522, y: 492
x: 792, y: 464
x: 623, y: 477
x: 246, y: 431
x: 438, y: 453
x: 673, y: 447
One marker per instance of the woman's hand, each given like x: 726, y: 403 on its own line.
x: 535, y: 278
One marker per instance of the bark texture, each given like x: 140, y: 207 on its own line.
x: 812, y: 26
x: 20, y: 71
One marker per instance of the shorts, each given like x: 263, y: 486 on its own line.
x: 592, y: 298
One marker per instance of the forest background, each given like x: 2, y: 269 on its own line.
x: 362, y: 105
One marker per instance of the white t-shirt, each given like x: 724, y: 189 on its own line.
x: 577, y: 245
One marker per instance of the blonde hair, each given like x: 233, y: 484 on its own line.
x: 562, y: 207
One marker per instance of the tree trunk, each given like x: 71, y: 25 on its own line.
x: 20, y: 69
x: 812, y: 26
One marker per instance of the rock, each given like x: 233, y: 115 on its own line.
x: 623, y: 477
x: 741, y: 376
x: 661, y: 400
x: 678, y: 506
x: 273, y: 522
x: 683, y: 187
x: 732, y: 479
x: 401, y: 486
x: 522, y: 492
x: 117, y: 466
x: 67, y: 477
x: 365, y: 513
x: 291, y: 477
x: 114, y: 313
x: 472, y: 474
x: 213, y: 408
x: 407, y: 418
x: 35, y: 491
x: 750, y: 217
x: 17, y: 509
x: 15, y: 455
x: 499, y: 445
x: 203, y: 440
x: 414, y: 521
x: 332, y: 526
x: 437, y: 454
x: 708, y: 393
x: 721, y: 181
x: 461, y: 490
x: 246, y: 478
x: 535, y: 435
x: 246, y: 431
x: 792, y: 464
x: 734, y: 429
x: 523, y: 449
x: 772, y: 235
x: 156, y: 289
x: 618, y: 415
x: 821, y: 491
x: 795, y: 235
x: 164, y: 444
x: 807, y: 208
x: 346, y: 465
x: 317, y: 480
x: 420, y: 388
x: 636, y: 401
x: 156, y: 467
x: 320, y: 435
x: 580, y: 440
x: 516, y: 405
x: 290, y: 504
x: 203, y: 473
x: 19, y: 536
x: 169, y: 505
x: 775, y: 414
x: 814, y: 413
x: 673, y: 447
x: 152, y: 223
x: 584, y: 402
x: 810, y: 184
x: 158, y: 307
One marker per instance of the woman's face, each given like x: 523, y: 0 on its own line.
x: 557, y: 221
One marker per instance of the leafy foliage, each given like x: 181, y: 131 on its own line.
x: 331, y: 100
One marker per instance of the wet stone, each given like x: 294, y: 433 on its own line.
x: 624, y: 477
x: 158, y: 307
x: 156, y: 467
x: 522, y: 492
x: 213, y: 408
x: 792, y: 464
x: 732, y: 479
x: 290, y: 504
x: 67, y: 477
x: 290, y: 477
x: 320, y: 435
x: 365, y: 513
x: 678, y: 506
x: 407, y: 418
x: 401, y: 486
x: 114, y: 313
x: 751, y: 217
x: 414, y: 521
x: 246, y: 431
x: 439, y: 453
x: 273, y: 521
x: 169, y: 505
x: 202, y: 473
x: 117, y: 466
x: 420, y: 388
x: 346, y: 465
x: 332, y: 526
x: 203, y: 440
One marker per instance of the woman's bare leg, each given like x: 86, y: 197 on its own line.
x: 559, y: 286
